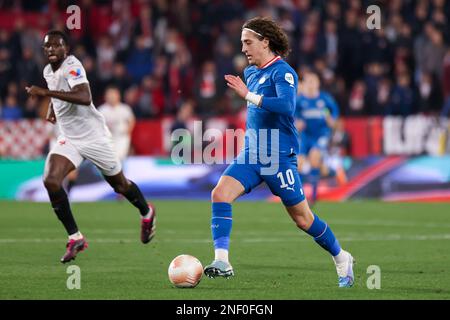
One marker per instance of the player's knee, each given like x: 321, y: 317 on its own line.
x: 302, y: 222
x: 52, y: 183
x: 303, y: 218
x: 220, y: 194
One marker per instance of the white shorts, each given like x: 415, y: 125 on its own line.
x: 101, y: 153
x: 122, y: 147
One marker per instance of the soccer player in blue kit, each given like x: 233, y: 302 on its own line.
x: 270, y: 91
x: 316, y: 113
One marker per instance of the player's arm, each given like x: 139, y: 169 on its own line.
x: 79, y: 94
x: 284, y: 102
x: 50, y: 117
x: 332, y: 112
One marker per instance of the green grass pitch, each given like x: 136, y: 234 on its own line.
x: 272, y: 259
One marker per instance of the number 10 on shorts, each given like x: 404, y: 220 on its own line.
x: 289, y: 178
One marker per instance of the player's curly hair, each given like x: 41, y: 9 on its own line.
x: 59, y: 33
x: 267, y: 28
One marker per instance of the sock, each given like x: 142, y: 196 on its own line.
x: 341, y: 257
x: 61, y: 206
x: 148, y: 215
x: 314, y: 177
x: 221, y: 223
x: 221, y: 254
x: 136, y: 198
x: 324, y: 236
x: 76, y: 236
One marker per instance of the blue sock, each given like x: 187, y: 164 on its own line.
x: 221, y: 224
x: 324, y: 236
x: 314, y: 177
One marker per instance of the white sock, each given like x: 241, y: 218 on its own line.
x: 76, y: 236
x: 341, y: 256
x: 149, y: 213
x: 221, y: 254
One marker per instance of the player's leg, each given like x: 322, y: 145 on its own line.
x: 322, y: 234
x: 103, y: 155
x: 315, y: 159
x: 332, y: 167
x: 71, y: 179
x: 287, y: 185
x: 235, y: 181
x: 133, y: 194
x: 56, y: 169
x: 225, y: 192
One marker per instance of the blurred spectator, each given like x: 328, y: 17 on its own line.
x: 374, y: 73
x: 429, y: 96
x: 119, y: 119
x: 150, y: 102
x: 160, y: 53
x: 139, y: 62
x: 357, y: 100
x: 31, y: 109
x: 6, y: 71
x: 208, y: 88
x: 401, y: 102
x: 382, y: 97
x: 430, y: 51
x: 180, y: 127
x: 28, y: 70
x: 120, y: 78
x: 331, y: 43
x: 105, y: 58
x: 11, y: 110
x: 446, y: 84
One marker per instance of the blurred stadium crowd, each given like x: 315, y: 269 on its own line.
x: 166, y: 54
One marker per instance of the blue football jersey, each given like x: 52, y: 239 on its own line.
x: 313, y: 112
x: 277, y: 83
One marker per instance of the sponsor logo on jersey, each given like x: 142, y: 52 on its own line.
x: 320, y: 103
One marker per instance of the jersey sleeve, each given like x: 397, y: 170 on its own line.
x: 75, y: 74
x: 332, y: 106
x: 285, y: 87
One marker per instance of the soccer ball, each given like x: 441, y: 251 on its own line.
x: 185, y: 271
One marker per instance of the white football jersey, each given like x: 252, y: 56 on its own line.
x: 117, y: 118
x: 78, y: 123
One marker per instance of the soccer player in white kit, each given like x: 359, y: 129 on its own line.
x: 84, y: 136
x: 120, y: 121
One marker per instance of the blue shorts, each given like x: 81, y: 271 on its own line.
x: 284, y: 183
x: 307, y: 143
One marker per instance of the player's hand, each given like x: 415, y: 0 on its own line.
x: 50, y: 117
x: 36, y: 91
x: 236, y: 83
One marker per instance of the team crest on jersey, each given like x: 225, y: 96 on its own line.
x: 76, y: 72
x: 289, y: 77
x: 320, y: 104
